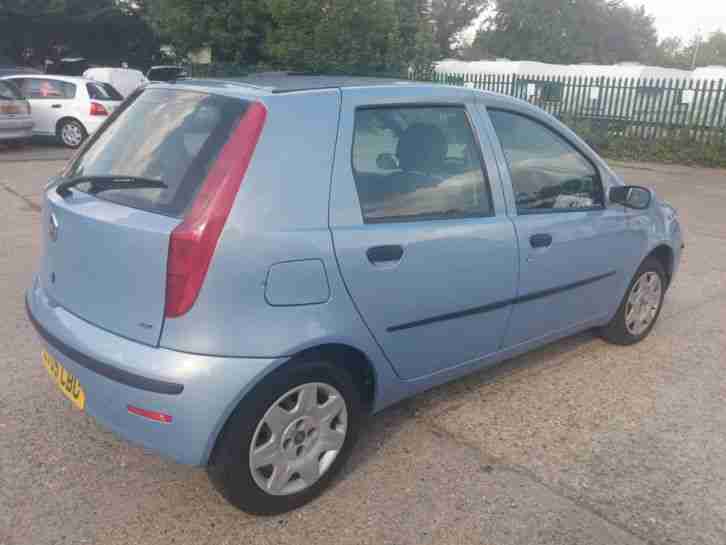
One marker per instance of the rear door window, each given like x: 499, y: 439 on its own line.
x: 102, y: 91
x: 48, y: 89
x: 9, y: 91
x: 418, y: 163
x: 164, y: 135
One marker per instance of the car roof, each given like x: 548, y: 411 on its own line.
x: 68, y: 79
x: 286, y: 82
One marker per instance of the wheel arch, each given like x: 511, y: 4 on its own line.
x: 353, y: 360
x: 65, y: 118
x: 348, y: 357
x: 665, y: 256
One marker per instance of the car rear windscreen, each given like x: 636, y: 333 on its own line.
x: 103, y: 91
x: 164, y: 135
x: 8, y: 91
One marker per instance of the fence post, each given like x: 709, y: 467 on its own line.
x: 676, y: 101
x: 657, y: 120
x: 720, y: 120
x: 694, y: 104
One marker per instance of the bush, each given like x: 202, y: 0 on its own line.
x: 684, y: 145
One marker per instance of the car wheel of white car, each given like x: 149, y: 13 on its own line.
x: 71, y: 133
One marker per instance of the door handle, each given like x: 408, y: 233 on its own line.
x: 385, y: 254
x: 56, y: 106
x: 541, y: 240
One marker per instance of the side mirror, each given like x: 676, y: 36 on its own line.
x: 631, y: 196
x: 386, y: 161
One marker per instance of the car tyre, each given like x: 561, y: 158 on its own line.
x: 641, y: 305
x: 258, y: 489
x: 71, y: 133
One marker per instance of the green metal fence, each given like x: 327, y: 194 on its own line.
x: 677, y: 120
x: 644, y: 108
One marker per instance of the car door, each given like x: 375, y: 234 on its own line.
x: 49, y: 99
x: 421, y: 236
x: 573, y: 248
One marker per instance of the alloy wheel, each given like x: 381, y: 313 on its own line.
x: 643, y: 303
x: 298, y: 438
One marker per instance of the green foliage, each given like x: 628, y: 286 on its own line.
x: 712, y: 50
x: 383, y: 37
x: 103, y: 31
x: 682, y: 145
x: 451, y: 17
x: 417, y: 42
x: 568, y: 31
x: 334, y: 36
x: 234, y: 29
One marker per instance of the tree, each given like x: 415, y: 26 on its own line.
x: 103, y: 31
x: 417, y: 42
x: 234, y: 29
x: 674, y: 53
x: 451, y: 17
x: 711, y: 51
x: 335, y: 36
x: 568, y: 31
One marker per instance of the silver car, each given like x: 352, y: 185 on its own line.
x: 16, y: 123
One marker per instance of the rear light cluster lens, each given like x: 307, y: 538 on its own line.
x: 98, y: 109
x: 10, y: 108
x: 151, y: 415
x: 193, y: 242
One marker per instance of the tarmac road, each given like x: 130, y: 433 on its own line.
x: 580, y: 442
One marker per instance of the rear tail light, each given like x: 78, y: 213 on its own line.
x: 193, y: 242
x: 10, y: 108
x: 98, y: 109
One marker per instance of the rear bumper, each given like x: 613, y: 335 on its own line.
x: 17, y: 128
x: 199, y: 392
x: 93, y: 123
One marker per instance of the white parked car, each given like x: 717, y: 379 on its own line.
x: 16, y: 123
x: 124, y: 80
x: 69, y: 108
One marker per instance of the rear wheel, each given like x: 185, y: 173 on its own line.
x: 640, y: 307
x: 287, y: 439
x: 71, y: 133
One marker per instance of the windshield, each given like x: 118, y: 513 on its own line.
x: 8, y: 91
x: 102, y: 91
x: 164, y: 135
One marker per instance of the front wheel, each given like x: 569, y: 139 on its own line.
x: 287, y: 439
x: 71, y: 133
x: 640, y: 307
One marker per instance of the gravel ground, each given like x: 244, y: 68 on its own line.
x: 580, y: 442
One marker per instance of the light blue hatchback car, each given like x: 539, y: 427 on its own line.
x: 235, y: 272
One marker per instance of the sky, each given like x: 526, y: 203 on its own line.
x: 685, y: 19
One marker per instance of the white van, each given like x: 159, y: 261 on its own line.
x: 124, y: 80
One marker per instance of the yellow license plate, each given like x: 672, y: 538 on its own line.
x: 68, y: 384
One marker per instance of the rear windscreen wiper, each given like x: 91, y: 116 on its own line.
x: 105, y: 183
